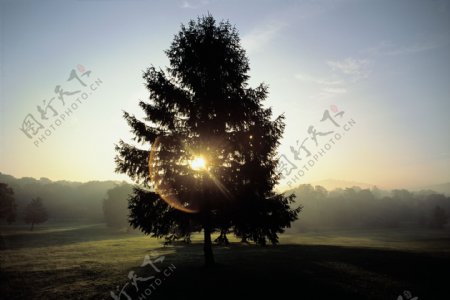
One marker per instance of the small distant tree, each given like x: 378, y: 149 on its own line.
x: 7, y: 203
x: 439, y: 217
x: 35, y: 213
x: 115, y: 206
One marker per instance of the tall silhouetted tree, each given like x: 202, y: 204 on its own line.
x: 35, y: 212
x: 7, y: 203
x: 115, y: 206
x: 213, y: 145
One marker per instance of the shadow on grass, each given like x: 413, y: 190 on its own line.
x: 242, y: 272
x: 296, y: 271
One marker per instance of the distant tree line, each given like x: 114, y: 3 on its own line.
x: 370, y: 208
x: 63, y: 200
x: 115, y: 206
x: 109, y: 202
x: 34, y: 201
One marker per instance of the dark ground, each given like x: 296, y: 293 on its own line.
x: 88, y: 262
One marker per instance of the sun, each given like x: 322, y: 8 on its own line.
x: 198, y: 163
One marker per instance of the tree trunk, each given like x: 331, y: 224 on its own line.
x: 32, y: 226
x: 222, y: 238
x: 207, y: 245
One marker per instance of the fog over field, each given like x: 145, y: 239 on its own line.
x: 369, y: 237
x: 347, y: 206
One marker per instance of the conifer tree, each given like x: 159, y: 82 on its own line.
x: 210, y: 156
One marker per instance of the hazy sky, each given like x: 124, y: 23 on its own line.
x: 386, y: 64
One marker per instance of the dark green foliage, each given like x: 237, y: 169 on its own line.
x: 155, y: 217
x: 262, y: 220
x: 7, y: 203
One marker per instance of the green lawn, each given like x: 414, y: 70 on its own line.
x: 88, y: 262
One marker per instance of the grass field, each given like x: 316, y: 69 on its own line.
x: 88, y: 262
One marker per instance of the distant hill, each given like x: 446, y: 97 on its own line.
x: 332, y: 184
x: 443, y: 188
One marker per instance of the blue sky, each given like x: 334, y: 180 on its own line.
x: 386, y: 64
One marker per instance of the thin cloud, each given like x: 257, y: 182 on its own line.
x: 329, y: 92
x: 192, y: 4
x: 355, y: 68
x: 326, y: 88
x: 386, y: 48
x: 317, y: 80
x: 257, y: 39
x: 335, y: 90
x: 340, y: 75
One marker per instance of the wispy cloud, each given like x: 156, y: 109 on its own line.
x: 258, y: 38
x: 327, y: 93
x: 340, y: 75
x: 386, y: 48
x: 335, y: 90
x: 356, y: 69
x: 317, y: 80
x: 327, y: 87
x: 192, y: 4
